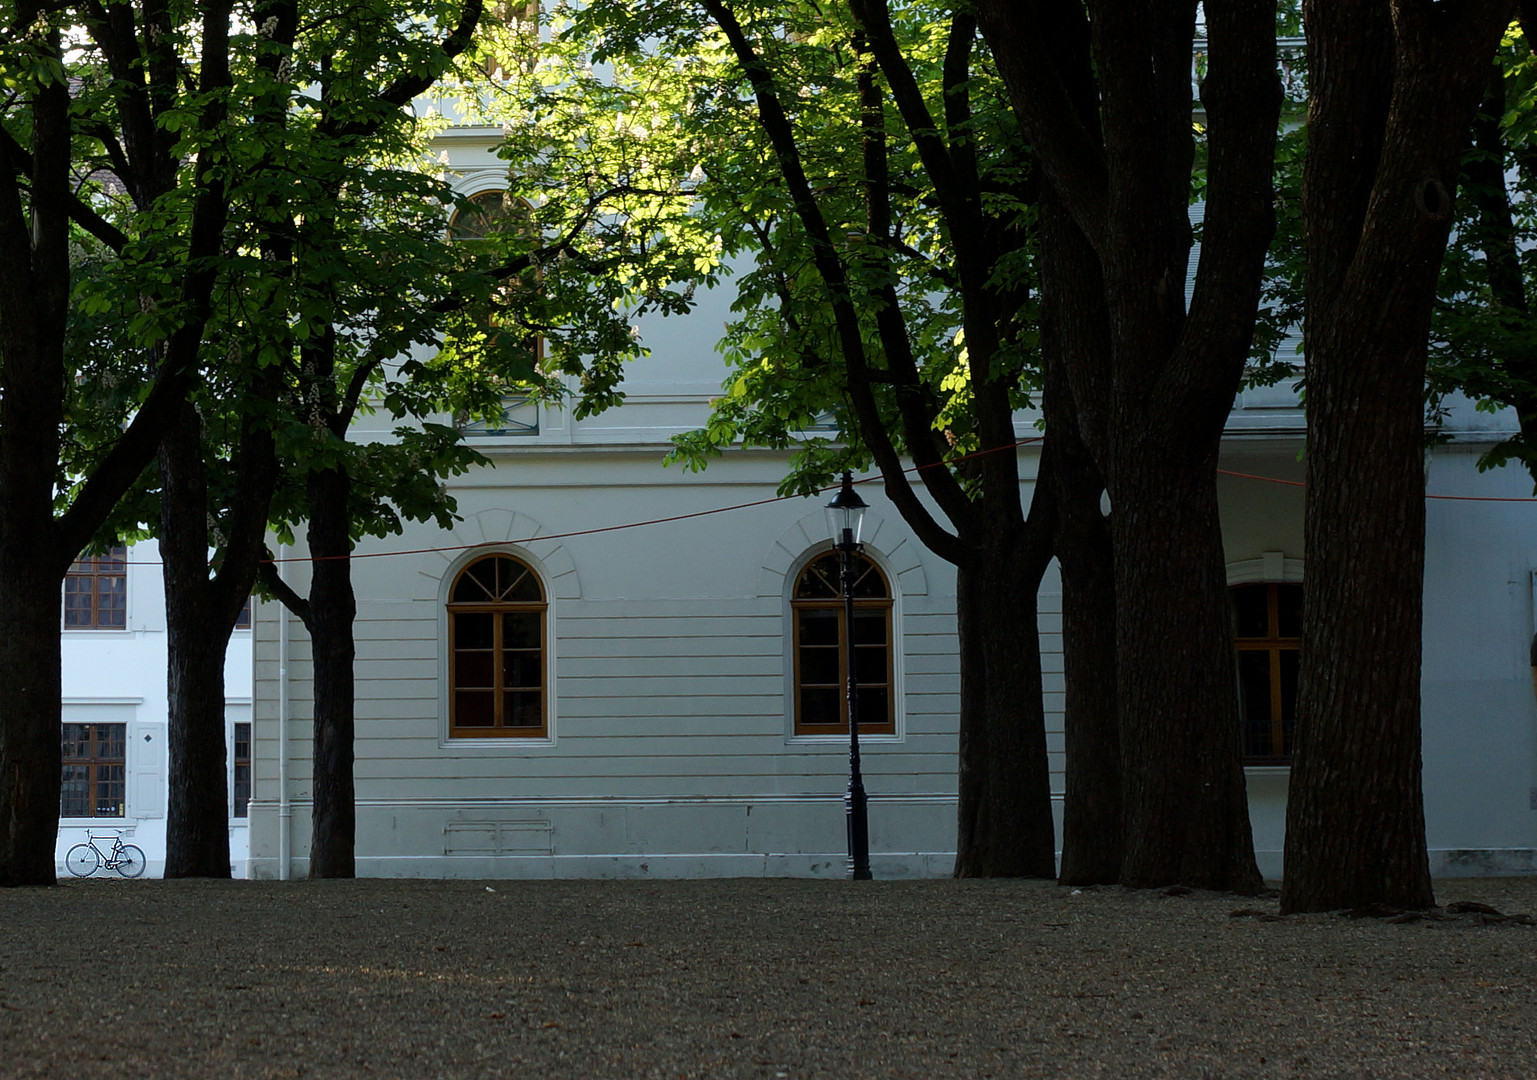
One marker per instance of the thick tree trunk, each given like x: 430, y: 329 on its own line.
x: 1355, y: 831
x: 30, y: 761
x: 1186, y: 811
x: 1386, y: 127
x: 1005, y: 823
x: 34, y: 295
x: 197, y: 817
x: 332, y: 607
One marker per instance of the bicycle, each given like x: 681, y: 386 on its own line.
x: 85, y: 859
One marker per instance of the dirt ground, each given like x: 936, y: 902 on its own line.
x: 775, y: 979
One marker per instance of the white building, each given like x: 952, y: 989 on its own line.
x: 543, y: 693
x: 114, y: 709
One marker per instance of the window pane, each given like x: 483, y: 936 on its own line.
x: 242, y: 742
x: 477, y: 584
x: 1254, y: 702
x: 870, y: 665
x: 1251, y: 611
x: 874, y: 706
x: 819, y: 666
x: 819, y: 627
x: 1289, y: 605
x: 819, y: 581
x: 242, y: 790
x: 821, y: 708
x: 870, y: 627
x: 1289, y: 664
x: 522, y: 670
x: 111, y: 601
x: 520, y: 630
x: 76, y: 798
x: 111, y: 741
x: 77, y: 741
x: 869, y: 582
x: 474, y: 630
x: 474, y: 708
x: 524, y: 709
x: 474, y: 670
x: 526, y: 585
x: 109, y: 790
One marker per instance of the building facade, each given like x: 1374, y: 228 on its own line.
x: 115, y: 708
x: 613, y: 668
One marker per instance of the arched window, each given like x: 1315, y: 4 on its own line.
x: 496, y: 641
x: 821, y: 659
x: 1267, y: 623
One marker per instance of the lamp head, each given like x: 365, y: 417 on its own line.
x: 845, y: 515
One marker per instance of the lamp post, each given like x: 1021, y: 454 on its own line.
x: 845, y: 515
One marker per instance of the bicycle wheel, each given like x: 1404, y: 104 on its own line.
x: 82, y: 860
x: 130, y: 861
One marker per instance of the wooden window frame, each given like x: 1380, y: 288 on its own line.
x: 240, y: 785
x: 499, y: 729
x: 1274, y: 644
x: 887, y: 725
x: 84, y: 579
x: 93, y: 762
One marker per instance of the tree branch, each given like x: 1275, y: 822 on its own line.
x: 776, y: 125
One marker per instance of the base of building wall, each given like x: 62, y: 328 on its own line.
x: 1483, y: 862
x: 887, y: 866
x: 884, y: 866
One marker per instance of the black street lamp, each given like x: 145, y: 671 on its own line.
x: 845, y: 514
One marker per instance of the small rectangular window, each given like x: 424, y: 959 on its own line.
x: 240, y: 775
x: 95, y: 770
x: 96, y: 592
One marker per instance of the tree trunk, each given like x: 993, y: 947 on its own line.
x: 1074, y: 323
x: 1091, y: 815
x: 197, y: 816
x: 332, y: 607
x: 1386, y: 128
x: 1005, y: 824
x: 30, y: 759
x: 1187, y: 814
x: 34, y: 295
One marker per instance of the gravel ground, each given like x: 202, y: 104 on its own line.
x: 775, y: 979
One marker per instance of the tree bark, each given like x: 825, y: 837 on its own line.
x: 1105, y: 97
x: 1395, y: 89
x: 197, y: 814
x: 1005, y: 824
x: 201, y: 611
x: 1073, y: 334
x: 332, y: 607
x: 1091, y: 815
x: 1187, y: 814
x: 34, y: 291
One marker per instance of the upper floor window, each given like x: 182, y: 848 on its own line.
x: 496, y: 651
x: 489, y: 213
x: 1267, y: 623
x: 821, y: 656
x: 95, y: 770
x: 96, y: 592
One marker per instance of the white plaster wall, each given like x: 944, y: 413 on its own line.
x: 119, y: 676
